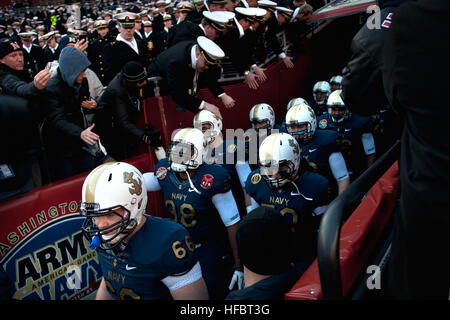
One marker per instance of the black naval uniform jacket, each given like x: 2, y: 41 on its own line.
x: 174, y: 65
x: 96, y: 57
x: 183, y: 31
x: 33, y: 61
x: 118, y: 53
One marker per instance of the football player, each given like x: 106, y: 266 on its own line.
x: 321, y: 91
x: 262, y: 120
x: 301, y: 196
x: 355, y: 138
x: 142, y: 257
x: 319, y: 148
x: 199, y: 196
x: 336, y: 83
x: 230, y: 154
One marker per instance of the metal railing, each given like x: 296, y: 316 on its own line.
x: 338, y: 211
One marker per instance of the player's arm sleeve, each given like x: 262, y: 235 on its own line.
x: 151, y: 182
x: 338, y: 166
x: 227, y: 208
x: 368, y: 143
x: 175, y: 282
x: 243, y: 170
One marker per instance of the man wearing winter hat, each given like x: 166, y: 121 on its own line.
x: 14, y: 80
x: 121, y: 105
x: 73, y: 144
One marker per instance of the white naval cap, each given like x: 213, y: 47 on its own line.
x: 27, y: 35
x: 126, y: 19
x: 284, y: 11
x: 267, y: 3
x: 216, y: 19
x: 259, y: 13
x: 211, y: 51
x: 49, y: 35
x: 247, y: 13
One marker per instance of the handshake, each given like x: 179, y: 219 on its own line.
x: 152, y: 137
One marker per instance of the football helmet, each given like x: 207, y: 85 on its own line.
x: 296, y: 101
x: 336, y: 83
x: 186, y: 149
x: 299, y: 115
x: 279, y: 159
x: 116, y: 188
x: 262, y: 112
x: 335, y: 101
x: 321, y: 91
x: 207, y: 117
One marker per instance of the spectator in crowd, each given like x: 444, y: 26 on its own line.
x: 236, y: 46
x: 15, y: 160
x: 183, y: 65
x: 265, y: 248
x: 120, y: 107
x: 415, y: 66
x: 33, y: 55
x: 51, y: 50
x: 72, y: 143
x: 96, y: 47
x: 125, y: 48
x: 13, y: 79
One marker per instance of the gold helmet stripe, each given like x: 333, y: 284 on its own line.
x: 93, y: 180
x: 255, y: 111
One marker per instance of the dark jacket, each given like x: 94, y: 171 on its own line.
x: 17, y: 83
x: 118, y: 110
x: 183, y: 31
x: 415, y: 66
x: 16, y: 130
x: 174, y: 65
x: 65, y: 118
x: 362, y: 83
x: 116, y: 54
x: 272, y: 288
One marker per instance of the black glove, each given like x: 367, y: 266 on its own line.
x: 152, y: 137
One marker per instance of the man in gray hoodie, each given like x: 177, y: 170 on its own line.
x: 73, y: 145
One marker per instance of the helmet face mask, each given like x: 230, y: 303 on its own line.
x: 279, y: 159
x: 321, y: 91
x: 300, y: 131
x: 186, y: 150
x: 301, y: 123
x: 107, y: 239
x: 262, y: 116
x: 209, y: 124
x: 338, y: 114
x: 181, y: 155
x: 337, y: 110
x: 277, y: 174
x: 261, y: 124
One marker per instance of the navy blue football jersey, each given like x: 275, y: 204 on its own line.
x: 296, y: 205
x: 318, y: 150
x: 226, y: 155
x: 159, y: 249
x: 319, y: 110
x: 292, y: 203
x: 194, y: 211
x: 349, y: 139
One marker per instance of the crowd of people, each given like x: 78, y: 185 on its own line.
x: 69, y: 115
x: 84, y: 90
